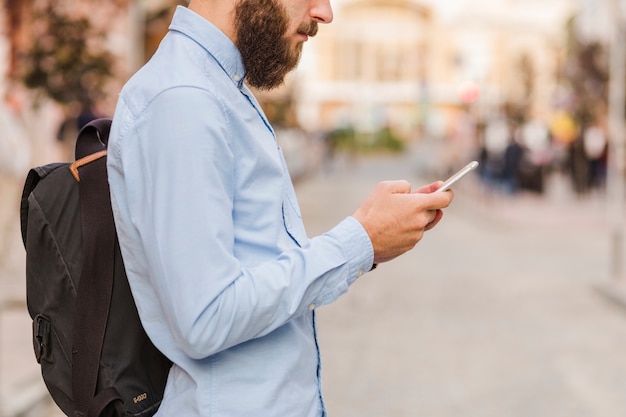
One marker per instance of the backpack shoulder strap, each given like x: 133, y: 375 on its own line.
x: 96, y: 280
x: 93, y: 138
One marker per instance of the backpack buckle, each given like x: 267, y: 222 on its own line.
x: 41, y: 336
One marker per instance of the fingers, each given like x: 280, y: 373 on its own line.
x: 396, y: 218
x: 432, y: 200
x: 434, y: 221
x: 430, y: 188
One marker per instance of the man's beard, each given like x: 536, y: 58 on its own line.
x: 267, y: 53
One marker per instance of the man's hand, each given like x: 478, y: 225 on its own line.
x: 395, y: 218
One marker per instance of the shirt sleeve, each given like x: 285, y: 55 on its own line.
x: 179, y: 173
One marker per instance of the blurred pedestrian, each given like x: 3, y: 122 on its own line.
x: 513, y: 156
x: 224, y: 276
x: 496, y: 138
x: 538, y: 156
x: 596, y: 151
x: 75, y: 118
x: 579, y: 166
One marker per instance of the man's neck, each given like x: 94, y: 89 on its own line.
x: 219, y: 12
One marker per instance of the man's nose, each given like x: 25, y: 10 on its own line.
x: 321, y: 11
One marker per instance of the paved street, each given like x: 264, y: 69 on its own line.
x: 495, y: 313
x: 498, y: 311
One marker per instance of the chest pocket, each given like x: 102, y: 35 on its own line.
x: 292, y: 217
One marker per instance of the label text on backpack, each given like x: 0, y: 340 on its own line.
x: 140, y: 398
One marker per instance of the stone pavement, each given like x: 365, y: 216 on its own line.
x: 497, y: 312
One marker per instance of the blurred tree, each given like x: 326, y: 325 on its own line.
x: 586, y: 72
x: 67, y: 60
x: 590, y: 81
x: 519, y: 109
x: 13, y: 12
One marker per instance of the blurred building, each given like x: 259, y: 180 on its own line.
x: 415, y: 65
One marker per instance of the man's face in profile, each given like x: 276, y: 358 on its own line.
x: 270, y: 38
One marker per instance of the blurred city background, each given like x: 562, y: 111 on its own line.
x: 513, y: 306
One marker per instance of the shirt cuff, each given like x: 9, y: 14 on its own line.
x: 357, y: 247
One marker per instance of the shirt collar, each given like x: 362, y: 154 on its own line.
x: 213, y: 40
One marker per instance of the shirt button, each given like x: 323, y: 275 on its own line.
x: 312, y: 307
x: 237, y: 77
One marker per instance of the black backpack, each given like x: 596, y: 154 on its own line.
x: 96, y: 359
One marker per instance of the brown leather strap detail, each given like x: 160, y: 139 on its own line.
x: 84, y: 161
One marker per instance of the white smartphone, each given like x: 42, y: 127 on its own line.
x: 460, y: 174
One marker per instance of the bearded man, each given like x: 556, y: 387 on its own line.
x: 225, y: 279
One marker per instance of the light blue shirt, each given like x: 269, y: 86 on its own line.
x: 225, y: 279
